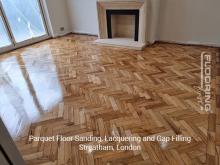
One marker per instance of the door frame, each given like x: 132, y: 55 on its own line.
x: 6, y: 48
x: 27, y: 42
x: 8, y: 147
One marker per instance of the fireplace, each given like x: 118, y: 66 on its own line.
x: 122, y: 23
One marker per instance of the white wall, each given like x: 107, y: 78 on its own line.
x: 56, y: 12
x: 83, y: 16
x: 153, y: 7
x: 190, y: 21
x: 182, y: 21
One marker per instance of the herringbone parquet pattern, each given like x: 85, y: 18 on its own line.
x: 79, y: 88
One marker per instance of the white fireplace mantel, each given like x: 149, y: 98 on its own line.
x: 141, y: 5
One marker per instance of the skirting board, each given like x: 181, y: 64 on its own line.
x: 194, y: 43
x: 121, y: 42
x: 167, y: 41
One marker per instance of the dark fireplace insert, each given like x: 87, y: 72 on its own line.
x: 111, y: 12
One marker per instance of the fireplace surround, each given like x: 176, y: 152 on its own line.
x: 131, y: 18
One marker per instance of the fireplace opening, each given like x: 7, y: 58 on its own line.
x: 123, y: 23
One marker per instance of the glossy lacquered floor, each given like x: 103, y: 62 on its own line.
x: 70, y: 86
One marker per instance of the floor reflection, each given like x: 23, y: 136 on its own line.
x: 43, y: 75
x: 29, y: 86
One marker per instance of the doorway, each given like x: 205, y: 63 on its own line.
x: 21, y: 23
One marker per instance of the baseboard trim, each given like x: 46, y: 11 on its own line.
x: 190, y: 43
x: 84, y: 33
x: 56, y: 35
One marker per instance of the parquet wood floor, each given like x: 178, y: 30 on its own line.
x: 217, y: 90
x: 70, y: 86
